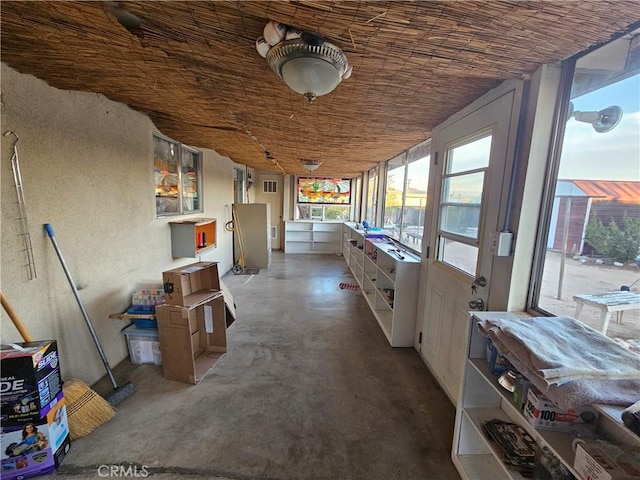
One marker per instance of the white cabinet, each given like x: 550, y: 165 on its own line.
x: 254, y: 221
x: 312, y: 237
x: 481, y: 398
x: 388, y: 277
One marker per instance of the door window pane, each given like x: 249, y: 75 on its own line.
x: 461, y: 202
x: 593, y: 235
x: 458, y: 255
x: 462, y: 196
x: 470, y: 156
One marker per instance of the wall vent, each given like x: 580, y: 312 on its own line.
x: 269, y: 186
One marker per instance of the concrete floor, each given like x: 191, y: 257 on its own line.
x: 309, y: 389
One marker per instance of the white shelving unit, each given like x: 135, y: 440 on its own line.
x: 312, y: 237
x: 388, y: 279
x: 482, y: 398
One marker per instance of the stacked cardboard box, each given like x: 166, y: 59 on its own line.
x: 192, y: 323
x: 35, y: 432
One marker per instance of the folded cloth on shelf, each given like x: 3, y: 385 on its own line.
x: 568, y: 361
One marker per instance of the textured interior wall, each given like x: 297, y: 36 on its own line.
x: 87, y: 169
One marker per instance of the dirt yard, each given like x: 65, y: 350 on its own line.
x: 592, y: 279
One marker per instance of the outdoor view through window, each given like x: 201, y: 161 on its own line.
x: 591, y: 265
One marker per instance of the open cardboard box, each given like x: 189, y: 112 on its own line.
x: 190, y: 285
x: 192, y: 339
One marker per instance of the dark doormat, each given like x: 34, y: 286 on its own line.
x: 251, y: 271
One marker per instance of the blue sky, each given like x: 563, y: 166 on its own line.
x: 613, y: 155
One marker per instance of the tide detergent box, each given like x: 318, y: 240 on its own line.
x: 35, y: 448
x: 35, y: 430
x: 30, y: 381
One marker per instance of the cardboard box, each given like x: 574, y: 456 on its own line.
x: 192, y: 340
x: 190, y: 285
x: 143, y: 345
x: 498, y: 364
x: 38, y: 453
x: 601, y: 460
x: 30, y: 381
x: 544, y: 414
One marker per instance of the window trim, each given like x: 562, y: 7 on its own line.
x: 561, y: 114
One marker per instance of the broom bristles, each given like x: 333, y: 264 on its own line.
x: 86, y: 410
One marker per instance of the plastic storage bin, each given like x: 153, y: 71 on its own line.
x: 143, y: 344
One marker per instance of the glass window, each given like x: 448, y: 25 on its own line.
x: 405, y: 197
x: 394, y: 196
x: 591, y: 239
x: 415, y: 197
x: 358, y: 200
x: 238, y: 185
x: 461, y: 203
x: 372, y: 196
x: 177, y: 172
x: 320, y: 198
x: 190, y: 180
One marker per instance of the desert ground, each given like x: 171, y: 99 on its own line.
x: 590, y: 278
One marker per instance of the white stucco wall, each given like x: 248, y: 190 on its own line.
x: 87, y: 169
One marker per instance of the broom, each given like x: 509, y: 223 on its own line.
x: 86, y: 410
x: 119, y: 392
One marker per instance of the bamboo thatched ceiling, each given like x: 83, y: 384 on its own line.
x: 193, y: 68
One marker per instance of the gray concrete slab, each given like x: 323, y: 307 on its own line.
x: 309, y: 389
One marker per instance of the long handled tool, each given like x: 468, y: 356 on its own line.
x: 86, y: 409
x: 234, y: 226
x: 119, y: 392
x: 14, y: 318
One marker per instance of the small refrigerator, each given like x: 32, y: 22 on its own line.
x: 254, y: 221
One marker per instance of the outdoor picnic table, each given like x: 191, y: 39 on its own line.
x: 617, y: 301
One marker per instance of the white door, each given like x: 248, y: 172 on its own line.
x: 468, y: 180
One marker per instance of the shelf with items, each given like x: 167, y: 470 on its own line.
x: 193, y: 237
x: 389, y: 281
x: 313, y: 237
x: 482, y: 398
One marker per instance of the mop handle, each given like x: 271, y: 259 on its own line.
x: 49, y: 230
x: 14, y: 318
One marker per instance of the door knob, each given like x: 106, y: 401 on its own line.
x: 477, y: 304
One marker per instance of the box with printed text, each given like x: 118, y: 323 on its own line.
x: 36, y: 448
x: 30, y: 381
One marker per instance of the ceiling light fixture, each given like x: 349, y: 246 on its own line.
x: 602, y: 121
x: 306, y: 62
x: 310, y: 165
